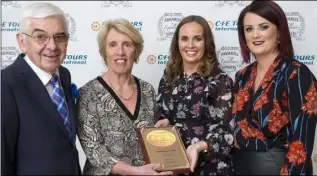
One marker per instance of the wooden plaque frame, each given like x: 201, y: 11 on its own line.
x: 164, y: 146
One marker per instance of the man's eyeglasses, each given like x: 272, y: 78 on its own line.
x: 43, y: 38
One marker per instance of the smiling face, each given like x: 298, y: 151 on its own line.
x: 261, y: 35
x: 120, y: 52
x: 47, y: 56
x: 191, y: 43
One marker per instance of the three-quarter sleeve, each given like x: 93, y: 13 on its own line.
x: 219, y: 135
x: 302, y: 106
x: 90, y: 135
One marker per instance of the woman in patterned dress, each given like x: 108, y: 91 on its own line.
x: 275, y: 103
x: 112, y: 105
x: 195, y: 95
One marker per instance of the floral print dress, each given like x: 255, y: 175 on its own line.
x: 201, y: 108
x: 281, y: 113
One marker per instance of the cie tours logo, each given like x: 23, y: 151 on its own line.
x: 9, y: 26
x: 75, y: 59
x: 13, y: 26
x: 306, y: 59
x: 223, y: 25
x: 96, y: 25
x: 160, y: 59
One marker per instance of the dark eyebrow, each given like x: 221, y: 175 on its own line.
x: 258, y: 24
x: 61, y: 33
x: 263, y: 23
x: 194, y: 36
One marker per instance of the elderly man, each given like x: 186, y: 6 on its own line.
x: 38, y: 122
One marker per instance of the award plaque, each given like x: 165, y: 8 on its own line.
x: 164, y: 146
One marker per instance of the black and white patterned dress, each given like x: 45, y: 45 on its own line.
x: 106, y: 128
x: 201, y: 108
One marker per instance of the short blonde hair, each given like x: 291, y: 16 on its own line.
x: 125, y: 27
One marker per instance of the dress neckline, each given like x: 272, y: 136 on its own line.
x: 133, y: 116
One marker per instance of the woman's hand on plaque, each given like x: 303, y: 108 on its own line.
x: 150, y: 169
x: 193, y: 151
x: 162, y: 123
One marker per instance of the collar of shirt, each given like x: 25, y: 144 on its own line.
x: 44, y: 76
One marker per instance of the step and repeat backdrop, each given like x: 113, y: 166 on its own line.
x: 157, y: 20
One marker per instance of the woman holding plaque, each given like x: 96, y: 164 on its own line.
x: 112, y: 105
x: 275, y: 103
x: 195, y: 95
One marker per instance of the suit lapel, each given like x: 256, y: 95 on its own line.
x: 38, y: 92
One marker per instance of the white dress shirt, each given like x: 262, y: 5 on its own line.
x: 44, y: 76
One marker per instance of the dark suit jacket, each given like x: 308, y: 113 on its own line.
x: 34, y: 139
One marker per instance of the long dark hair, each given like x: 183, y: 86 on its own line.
x: 174, y: 66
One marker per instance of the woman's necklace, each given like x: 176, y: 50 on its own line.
x: 126, y: 99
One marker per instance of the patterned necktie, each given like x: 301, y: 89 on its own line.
x: 59, y: 101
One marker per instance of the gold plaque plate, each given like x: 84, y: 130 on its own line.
x: 164, y: 146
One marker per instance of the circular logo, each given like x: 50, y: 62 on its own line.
x: 8, y: 54
x: 95, y: 26
x: 116, y: 3
x: 151, y: 59
x: 231, y: 3
x: 230, y: 59
x: 6, y: 3
x: 167, y: 24
x: 161, y: 138
x: 296, y: 25
x: 71, y: 27
x: 10, y: 3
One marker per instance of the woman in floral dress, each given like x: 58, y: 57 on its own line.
x: 275, y: 105
x: 195, y: 95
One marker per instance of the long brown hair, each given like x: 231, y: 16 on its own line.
x: 174, y: 66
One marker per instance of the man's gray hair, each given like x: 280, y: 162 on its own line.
x: 40, y: 10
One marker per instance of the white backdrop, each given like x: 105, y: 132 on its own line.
x: 157, y: 21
